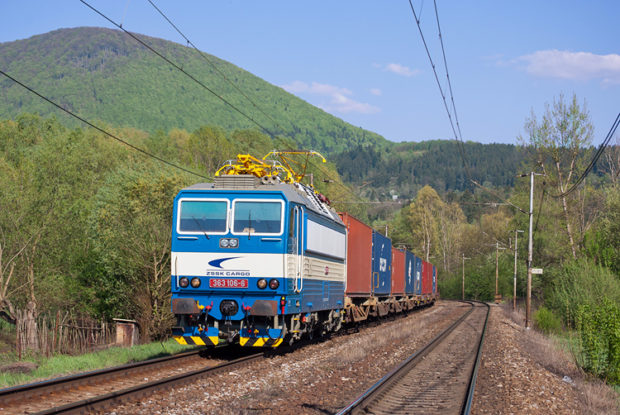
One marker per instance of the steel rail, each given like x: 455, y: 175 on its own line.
x: 139, y: 391
x: 45, y: 387
x: 388, y: 380
x: 466, y: 408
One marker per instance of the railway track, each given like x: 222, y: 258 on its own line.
x: 97, y: 390
x: 438, y: 379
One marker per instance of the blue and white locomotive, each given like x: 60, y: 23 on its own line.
x: 257, y: 259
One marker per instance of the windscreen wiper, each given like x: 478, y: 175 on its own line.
x: 199, y: 227
x: 249, y: 224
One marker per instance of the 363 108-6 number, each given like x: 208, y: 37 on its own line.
x: 228, y: 283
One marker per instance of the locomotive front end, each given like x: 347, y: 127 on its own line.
x: 228, y: 265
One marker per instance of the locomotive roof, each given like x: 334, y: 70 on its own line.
x: 297, y: 193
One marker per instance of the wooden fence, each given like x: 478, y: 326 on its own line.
x: 65, y: 333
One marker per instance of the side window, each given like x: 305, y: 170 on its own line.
x: 291, y: 223
x: 291, y: 244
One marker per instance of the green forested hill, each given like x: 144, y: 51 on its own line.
x: 104, y: 74
x: 404, y: 168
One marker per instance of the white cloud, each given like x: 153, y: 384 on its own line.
x: 375, y: 91
x: 573, y: 65
x: 402, y: 70
x: 338, y: 99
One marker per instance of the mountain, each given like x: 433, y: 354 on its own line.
x: 103, y: 74
x: 404, y: 168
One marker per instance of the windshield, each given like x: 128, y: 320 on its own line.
x: 257, y: 217
x: 203, y: 216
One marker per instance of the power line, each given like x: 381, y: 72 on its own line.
x: 443, y: 96
x: 459, y: 136
x: 237, y: 88
x: 137, y: 39
x: 263, y: 128
x: 445, y: 63
x: 370, y: 202
x: 498, y: 196
x: 213, y: 65
x: 428, y: 53
x: 597, y: 155
x: 138, y: 149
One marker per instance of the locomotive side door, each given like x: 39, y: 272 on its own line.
x: 296, y: 246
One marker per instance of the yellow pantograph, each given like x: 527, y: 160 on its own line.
x: 246, y: 164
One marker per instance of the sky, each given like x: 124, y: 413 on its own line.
x: 364, y: 61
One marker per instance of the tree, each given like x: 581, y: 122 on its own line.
x: 611, y: 161
x: 558, y: 141
x: 12, y: 244
x: 434, y: 227
x: 603, y: 241
x: 422, y: 214
x: 208, y: 148
x: 451, y: 220
x: 130, y: 227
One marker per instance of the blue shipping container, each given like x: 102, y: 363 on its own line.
x: 381, y: 264
x: 417, y: 284
x: 434, y: 279
x: 409, y: 273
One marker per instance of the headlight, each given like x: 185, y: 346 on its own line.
x: 229, y: 243
x: 195, y: 282
x: 274, y: 283
x: 184, y: 282
x: 262, y: 283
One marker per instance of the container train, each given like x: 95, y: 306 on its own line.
x: 258, y: 259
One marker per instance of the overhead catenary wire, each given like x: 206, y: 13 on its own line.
x: 499, y: 197
x: 205, y: 57
x: 85, y: 121
x: 595, y: 158
x: 445, y: 63
x: 176, y: 66
x: 443, y: 95
x: 458, y: 137
x: 213, y: 65
x: 170, y: 62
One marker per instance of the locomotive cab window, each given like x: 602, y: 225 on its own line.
x: 203, y: 216
x: 261, y: 217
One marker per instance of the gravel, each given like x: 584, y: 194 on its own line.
x: 510, y: 381
x: 318, y: 378
x: 323, y: 377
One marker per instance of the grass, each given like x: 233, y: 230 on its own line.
x: 559, y: 354
x: 62, y: 365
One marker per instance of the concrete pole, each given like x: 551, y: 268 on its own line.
x: 528, y: 298
x: 514, y: 290
x: 464, y: 258
x: 496, y: 269
x: 463, y: 296
x: 514, y: 280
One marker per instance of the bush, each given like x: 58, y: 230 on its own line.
x: 599, y: 334
x: 581, y: 282
x: 546, y: 321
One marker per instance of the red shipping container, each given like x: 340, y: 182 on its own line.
x: 398, y: 272
x: 359, y: 257
x: 427, y: 278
